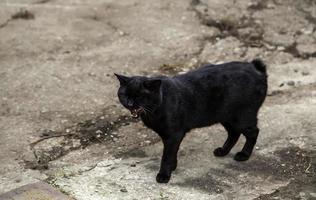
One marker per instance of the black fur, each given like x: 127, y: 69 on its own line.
x: 230, y: 94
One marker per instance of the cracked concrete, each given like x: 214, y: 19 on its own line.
x: 61, y: 121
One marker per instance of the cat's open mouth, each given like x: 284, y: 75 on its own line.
x: 136, y: 112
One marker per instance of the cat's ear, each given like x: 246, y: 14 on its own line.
x: 123, y: 79
x: 152, y: 85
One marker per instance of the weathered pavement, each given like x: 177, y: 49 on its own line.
x: 61, y: 122
x: 39, y: 190
x: 283, y: 157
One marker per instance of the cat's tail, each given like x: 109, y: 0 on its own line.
x: 260, y: 66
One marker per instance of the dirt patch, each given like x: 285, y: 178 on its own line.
x: 42, y: 1
x: 170, y: 68
x: 296, y: 189
x: 55, y: 144
x: 207, y: 182
x: 100, y: 129
x: 23, y: 14
x: 289, y: 163
x: 154, y: 166
x: 134, y: 153
x: 246, y: 29
x: 278, y: 97
x: 253, y: 26
x: 258, y: 5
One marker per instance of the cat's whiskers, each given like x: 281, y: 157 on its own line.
x: 146, y: 109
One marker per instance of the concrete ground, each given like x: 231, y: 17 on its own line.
x: 61, y: 122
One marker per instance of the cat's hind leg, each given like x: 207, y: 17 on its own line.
x: 247, y: 124
x: 251, y: 134
x: 232, y: 138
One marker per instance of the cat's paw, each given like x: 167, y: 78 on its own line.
x: 241, y: 156
x: 162, y: 178
x: 220, y: 152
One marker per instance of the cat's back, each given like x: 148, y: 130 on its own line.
x: 226, y: 72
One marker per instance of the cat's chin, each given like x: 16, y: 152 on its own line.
x: 136, y: 112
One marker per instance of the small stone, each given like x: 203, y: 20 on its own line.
x: 302, y: 194
x: 308, y: 30
x: 304, y: 73
x: 291, y: 83
x: 185, y: 70
x: 67, y: 130
x: 98, y: 132
x: 275, y: 92
x: 102, y: 117
x: 281, y: 85
x: 18, y: 180
x: 269, y: 47
x: 281, y: 48
x: 122, y: 33
x: 237, y: 50
x: 270, y: 5
x: 123, y: 190
x: 283, y: 165
x: 257, y: 148
x: 218, y: 191
x: 313, y: 194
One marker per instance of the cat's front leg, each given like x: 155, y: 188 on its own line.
x: 169, y: 157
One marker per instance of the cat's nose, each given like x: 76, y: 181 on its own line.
x: 130, y: 103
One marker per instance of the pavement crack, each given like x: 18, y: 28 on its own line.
x: 230, y: 27
x: 308, y: 16
x: 5, y: 23
x: 91, y: 168
x: 21, y: 14
x: 97, y: 130
x: 48, y: 137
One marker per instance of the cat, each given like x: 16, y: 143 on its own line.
x: 230, y: 94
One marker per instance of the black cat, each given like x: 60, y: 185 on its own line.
x: 230, y: 94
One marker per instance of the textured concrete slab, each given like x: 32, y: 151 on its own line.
x: 35, y: 191
x: 284, y: 155
x: 60, y: 119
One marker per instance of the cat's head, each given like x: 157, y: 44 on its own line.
x: 139, y: 94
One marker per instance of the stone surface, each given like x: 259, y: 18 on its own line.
x: 35, y: 191
x: 58, y: 92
